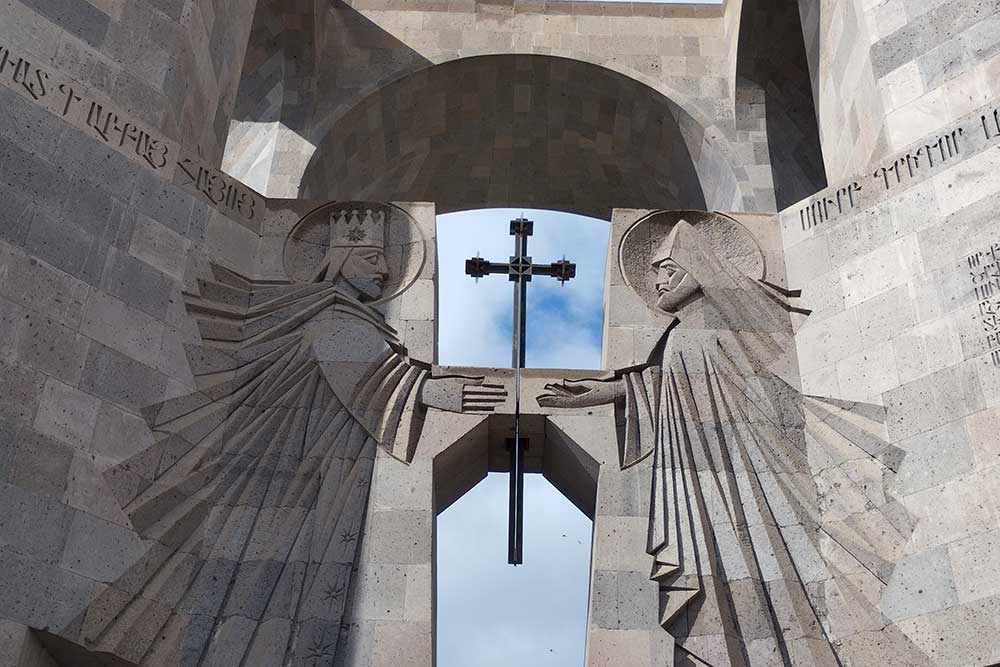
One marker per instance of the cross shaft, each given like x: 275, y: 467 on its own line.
x: 520, y: 271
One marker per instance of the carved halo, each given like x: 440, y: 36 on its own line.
x: 405, y: 245
x: 729, y: 238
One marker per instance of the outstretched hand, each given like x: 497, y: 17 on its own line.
x: 580, y: 393
x: 457, y: 393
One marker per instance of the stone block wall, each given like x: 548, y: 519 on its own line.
x: 173, y: 65
x: 75, y: 392
x: 886, y: 73
x: 105, y: 224
x: 902, y: 283
x: 934, y: 62
x: 95, y: 249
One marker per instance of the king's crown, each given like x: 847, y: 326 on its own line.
x: 352, y: 227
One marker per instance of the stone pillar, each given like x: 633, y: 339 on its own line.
x: 623, y: 616
x: 390, y: 616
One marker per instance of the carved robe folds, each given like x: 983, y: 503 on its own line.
x: 751, y: 551
x: 253, y: 497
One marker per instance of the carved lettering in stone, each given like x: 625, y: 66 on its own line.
x: 823, y: 210
x: 945, y: 148
x: 121, y: 133
x: 221, y: 191
x: 991, y: 124
x: 112, y: 130
x: 984, y: 271
x: 71, y: 103
x: 71, y: 98
x: 31, y: 80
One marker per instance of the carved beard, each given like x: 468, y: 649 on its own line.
x: 672, y: 301
x: 370, y: 288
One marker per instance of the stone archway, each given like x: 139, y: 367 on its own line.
x: 520, y: 130
x: 391, y: 612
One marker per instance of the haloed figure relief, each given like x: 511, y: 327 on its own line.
x: 252, y: 499
x: 768, y: 514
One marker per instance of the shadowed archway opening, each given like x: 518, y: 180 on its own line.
x: 775, y: 97
x: 517, y: 130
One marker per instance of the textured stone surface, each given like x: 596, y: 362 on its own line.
x: 118, y: 231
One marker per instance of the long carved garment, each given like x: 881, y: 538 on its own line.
x: 251, y: 501
x: 747, y: 557
x: 770, y: 529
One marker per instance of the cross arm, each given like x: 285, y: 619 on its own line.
x: 561, y: 270
x: 477, y: 267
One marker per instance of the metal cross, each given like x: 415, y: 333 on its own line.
x: 520, y: 270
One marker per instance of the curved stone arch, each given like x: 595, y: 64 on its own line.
x: 688, y: 103
x: 558, y: 121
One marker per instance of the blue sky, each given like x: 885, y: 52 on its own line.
x: 489, y: 613
x: 564, y: 322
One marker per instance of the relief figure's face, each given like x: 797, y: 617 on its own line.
x: 675, y: 287
x: 366, y: 271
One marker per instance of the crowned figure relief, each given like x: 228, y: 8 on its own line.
x: 252, y: 499
x: 752, y: 558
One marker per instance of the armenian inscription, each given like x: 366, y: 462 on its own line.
x: 821, y: 210
x: 943, y: 149
x: 32, y: 81
x: 984, y: 270
x: 223, y: 192
x: 912, y: 165
x: 72, y: 105
x: 70, y: 102
x: 123, y: 135
x: 991, y: 124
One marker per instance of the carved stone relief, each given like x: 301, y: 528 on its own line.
x: 251, y: 500
x: 769, y: 522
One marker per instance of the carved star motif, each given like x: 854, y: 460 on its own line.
x: 317, y: 649
x: 347, y: 537
x: 332, y: 593
x: 357, y: 234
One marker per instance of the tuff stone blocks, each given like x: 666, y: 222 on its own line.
x: 66, y: 414
x: 101, y: 251
x: 104, y: 367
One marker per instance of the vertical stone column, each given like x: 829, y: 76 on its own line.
x: 389, y: 621
x: 623, y: 616
x: 390, y: 616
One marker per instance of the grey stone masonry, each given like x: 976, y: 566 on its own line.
x: 224, y: 435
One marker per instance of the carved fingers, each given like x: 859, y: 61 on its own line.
x: 462, y: 394
x: 580, y: 393
x: 479, y: 397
